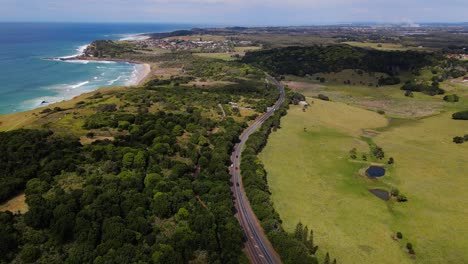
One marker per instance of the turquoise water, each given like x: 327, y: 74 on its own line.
x: 28, y: 80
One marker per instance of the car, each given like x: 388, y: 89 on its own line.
x: 237, y: 156
x: 232, y: 165
x: 237, y: 168
x: 237, y: 184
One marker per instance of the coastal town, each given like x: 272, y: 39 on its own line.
x: 192, y: 44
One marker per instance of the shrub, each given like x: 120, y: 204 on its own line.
x: 402, y: 198
x: 409, y: 94
x: 90, y: 135
x: 452, y: 98
x: 458, y: 140
x: 409, y: 246
x: 45, y: 111
x: 391, y: 160
x: 378, y: 152
x: 323, y: 97
x: 353, y: 153
x: 395, y: 192
x: 391, y: 80
x: 106, y: 108
x: 411, y: 251
x: 399, y: 235
x: 381, y: 112
x: 427, y: 88
x: 30, y: 254
x: 462, y: 115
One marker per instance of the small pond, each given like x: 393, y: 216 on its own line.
x: 375, y: 171
x: 382, y: 194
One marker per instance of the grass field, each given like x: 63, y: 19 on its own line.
x: 382, y: 46
x: 312, y: 180
x: 15, y: 205
x: 390, y: 99
x: 220, y: 56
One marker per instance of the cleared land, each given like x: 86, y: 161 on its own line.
x: 389, y: 99
x: 15, y: 205
x: 383, y: 46
x: 313, y: 181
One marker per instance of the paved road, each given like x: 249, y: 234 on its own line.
x: 258, y: 247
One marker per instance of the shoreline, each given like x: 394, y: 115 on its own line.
x: 17, y: 120
x: 141, y: 77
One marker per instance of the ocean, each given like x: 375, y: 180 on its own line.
x: 29, y: 80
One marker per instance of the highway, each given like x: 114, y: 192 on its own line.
x: 258, y: 247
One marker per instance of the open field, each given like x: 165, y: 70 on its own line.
x: 312, y: 180
x: 389, y: 99
x: 246, y: 49
x: 429, y: 169
x: 383, y: 46
x: 220, y: 56
x: 16, y: 204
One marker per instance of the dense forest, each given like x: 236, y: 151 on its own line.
x: 159, y: 192
x: 318, y: 59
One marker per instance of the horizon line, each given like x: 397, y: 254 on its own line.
x: 247, y: 25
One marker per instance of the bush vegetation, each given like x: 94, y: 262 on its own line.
x: 462, y: 115
x: 158, y: 193
x: 317, y: 59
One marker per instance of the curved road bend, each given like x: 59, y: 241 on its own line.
x: 258, y: 247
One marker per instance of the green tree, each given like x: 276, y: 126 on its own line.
x: 353, y: 153
x: 182, y: 215
x: 458, y: 140
x: 327, y: 259
x: 151, y: 180
x: 299, y: 232
x: 139, y: 161
x: 161, y: 205
x: 30, y: 253
x: 127, y: 160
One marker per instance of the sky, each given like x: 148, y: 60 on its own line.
x: 236, y: 12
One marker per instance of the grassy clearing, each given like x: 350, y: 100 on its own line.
x: 246, y: 49
x: 430, y: 169
x: 16, y: 204
x: 220, y: 56
x: 332, y: 198
x: 382, y: 46
x: 329, y: 195
x: 389, y: 99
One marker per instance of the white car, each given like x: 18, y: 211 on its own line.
x: 232, y: 165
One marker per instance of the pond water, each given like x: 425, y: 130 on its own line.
x: 375, y: 171
x: 382, y: 194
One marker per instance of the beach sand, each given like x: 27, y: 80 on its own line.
x: 143, y: 74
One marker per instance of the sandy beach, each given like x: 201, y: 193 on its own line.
x: 143, y: 74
